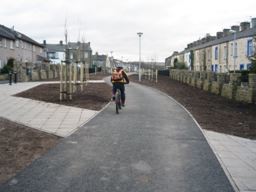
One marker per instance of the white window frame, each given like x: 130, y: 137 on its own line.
x: 11, y: 44
x: 17, y: 43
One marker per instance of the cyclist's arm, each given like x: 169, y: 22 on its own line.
x: 126, y: 77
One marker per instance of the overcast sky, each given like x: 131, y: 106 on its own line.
x: 112, y: 25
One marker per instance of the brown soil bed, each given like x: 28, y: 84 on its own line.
x: 94, y: 96
x: 19, y: 146
x: 212, y: 112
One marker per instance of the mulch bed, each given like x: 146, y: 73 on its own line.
x: 94, y: 96
x: 212, y: 112
x: 19, y: 146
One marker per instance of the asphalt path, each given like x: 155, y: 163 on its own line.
x: 153, y: 145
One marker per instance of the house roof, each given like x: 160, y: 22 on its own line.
x: 71, y: 45
x: 6, y: 34
x: 13, y: 35
x: 83, y: 46
x: 99, y: 57
x: 240, y: 34
x: 55, y: 47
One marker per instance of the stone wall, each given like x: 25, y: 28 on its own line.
x: 225, y: 85
x: 3, y: 77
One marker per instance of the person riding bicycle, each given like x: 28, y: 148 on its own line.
x: 118, y: 79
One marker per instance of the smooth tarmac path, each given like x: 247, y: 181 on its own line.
x: 152, y: 145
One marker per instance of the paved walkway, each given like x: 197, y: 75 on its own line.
x: 237, y: 155
x: 152, y: 145
x: 52, y: 118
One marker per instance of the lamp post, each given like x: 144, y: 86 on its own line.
x: 234, y: 49
x: 139, y: 34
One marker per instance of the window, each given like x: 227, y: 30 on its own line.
x: 22, y: 44
x: 235, y: 51
x: 11, y: 44
x: 249, y: 48
x: 216, y: 54
x: 225, y: 53
x: 33, y: 48
x: 53, y: 55
x: 241, y: 66
x: 1, y: 42
x: 17, y: 43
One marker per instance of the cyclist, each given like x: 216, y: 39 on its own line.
x: 118, y: 79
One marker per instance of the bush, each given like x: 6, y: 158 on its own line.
x: 8, y: 67
x: 253, y: 67
x: 180, y: 65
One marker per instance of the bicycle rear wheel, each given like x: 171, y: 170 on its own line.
x: 118, y: 101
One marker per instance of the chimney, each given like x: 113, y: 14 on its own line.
x: 254, y: 22
x: 235, y: 28
x: 219, y: 34
x: 226, y: 32
x: 245, y: 26
x: 61, y: 42
x: 44, y: 42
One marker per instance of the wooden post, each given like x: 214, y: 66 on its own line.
x: 61, y: 83
x: 156, y: 75
x: 74, y: 73
x: 82, y: 76
x: 70, y: 82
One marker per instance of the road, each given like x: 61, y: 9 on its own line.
x: 153, y: 145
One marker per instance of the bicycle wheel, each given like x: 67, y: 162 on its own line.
x: 118, y: 101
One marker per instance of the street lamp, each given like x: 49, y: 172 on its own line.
x: 139, y: 34
x: 234, y: 49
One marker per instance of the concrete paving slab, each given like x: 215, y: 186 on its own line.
x: 40, y: 115
x: 237, y: 157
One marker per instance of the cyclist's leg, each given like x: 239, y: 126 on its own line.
x: 114, y: 91
x: 122, y: 89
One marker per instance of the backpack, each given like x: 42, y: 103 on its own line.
x: 117, y: 75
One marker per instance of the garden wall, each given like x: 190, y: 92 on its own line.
x: 225, y: 85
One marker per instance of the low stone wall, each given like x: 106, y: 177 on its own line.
x: 38, y: 74
x: 3, y: 77
x: 226, y: 85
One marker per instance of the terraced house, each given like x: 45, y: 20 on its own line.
x: 16, y: 45
x: 229, y: 50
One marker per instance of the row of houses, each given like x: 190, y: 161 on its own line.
x: 18, y: 46
x: 230, y: 50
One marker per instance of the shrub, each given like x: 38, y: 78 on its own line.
x: 180, y: 65
x: 8, y: 67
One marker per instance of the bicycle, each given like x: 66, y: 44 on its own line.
x: 118, y: 100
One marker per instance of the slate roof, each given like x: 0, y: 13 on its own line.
x: 240, y: 34
x: 62, y: 47
x: 13, y: 35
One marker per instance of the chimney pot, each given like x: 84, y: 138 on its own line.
x: 245, y: 26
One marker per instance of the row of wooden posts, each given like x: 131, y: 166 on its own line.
x: 72, y: 76
x: 150, y: 74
